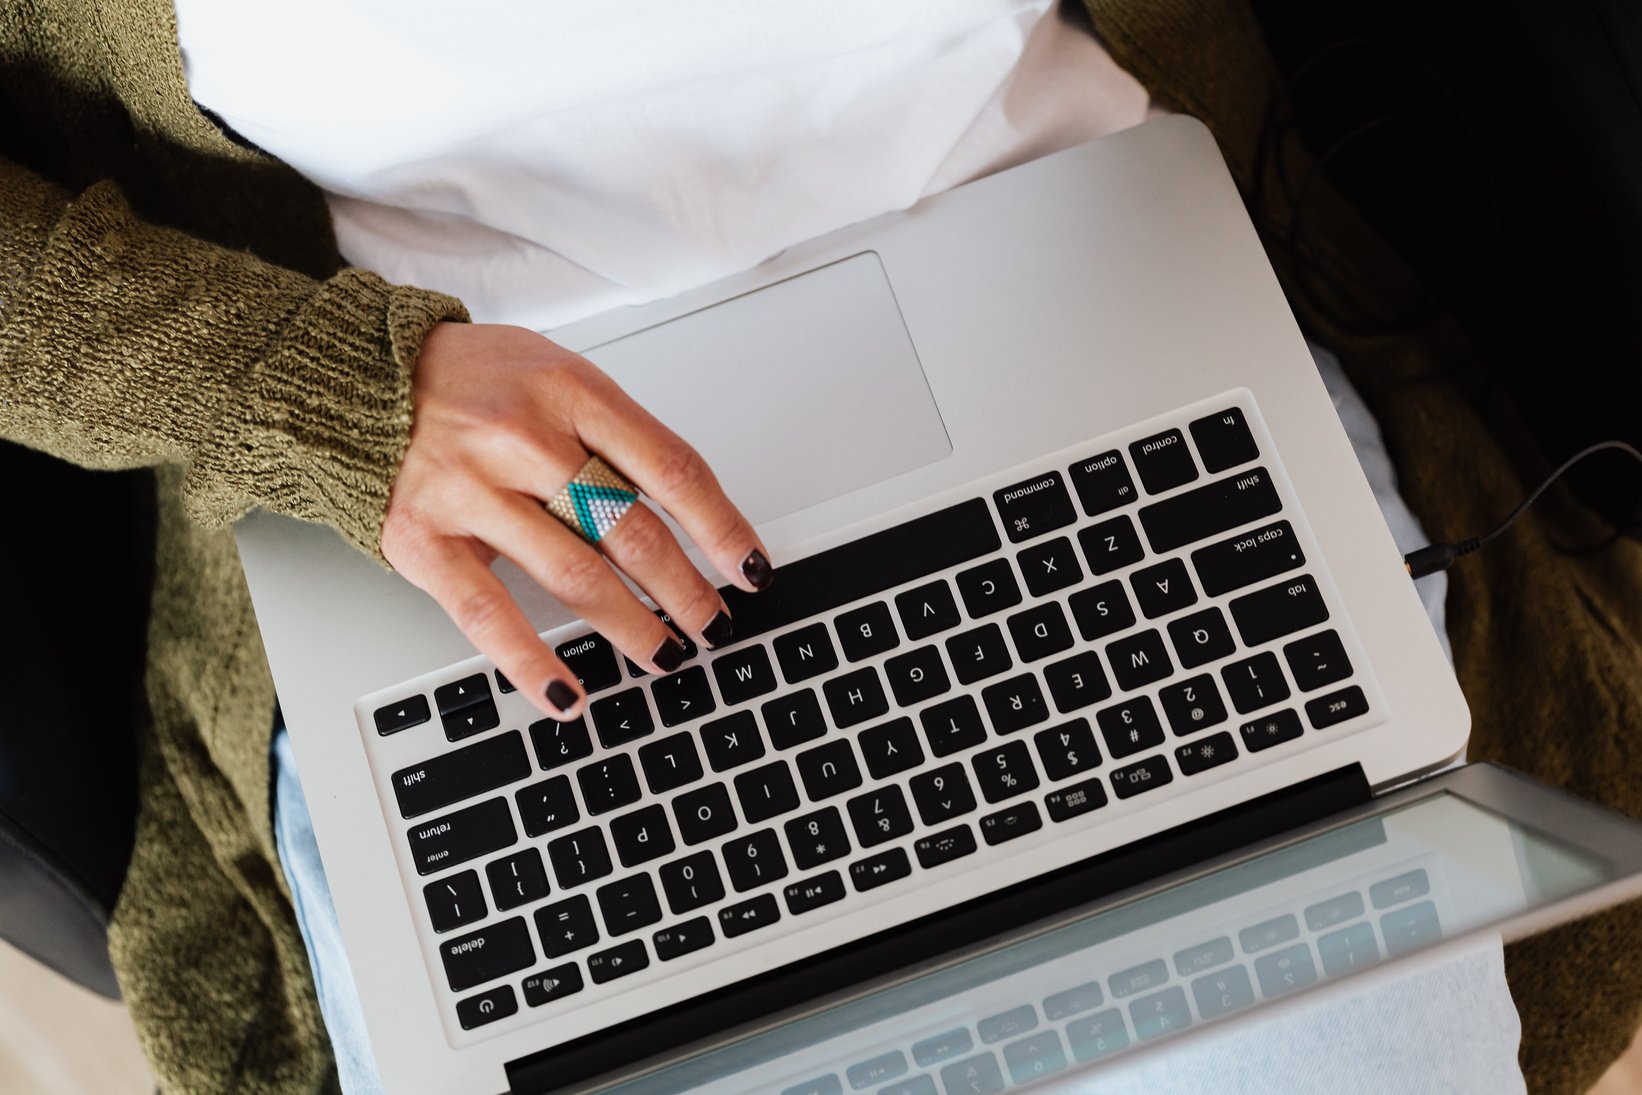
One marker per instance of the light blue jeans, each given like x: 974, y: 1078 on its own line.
x: 300, y: 856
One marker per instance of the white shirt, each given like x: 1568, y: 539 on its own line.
x: 547, y: 161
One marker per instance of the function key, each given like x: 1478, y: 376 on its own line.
x: 793, y: 720
x: 942, y: 1047
x: 1252, y: 557
x: 1010, y: 823
x: 487, y: 1007
x: 454, y: 901
x: 855, y: 697
x: 622, y: 717
x: 943, y: 847
x: 1103, y: 483
x: 1111, y: 545
x: 866, y: 631
x: 1163, y: 588
x: 988, y: 588
x: 743, y: 674
x: 1205, y: 753
x: 461, y: 773
x: 879, y: 870
x: 876, y: 1070
x: 682, y: 939
x: 681, y: 697
x: 1201, y: 638
x: 1223, y: 440
x: 554, y: 984
x: 1269, y: 730
x: 1151, y: 773
x: 805, y: 653
x: 1073, y: 1001
x: 1336, y: 707
x: 1317, y: 660
x: 592, y: 659
x: 1050, y: 566
x: 926, y: 610
x: 749, y: 916
x: 1075, y: 800
x: 566, y: 926
x: 1255, y: 682
x: 403, y: 715
x: 459, y: 694
x: 1035, y: 506
x: 493, y: 951
x: 560, y: 742
x: 1163, y: 461
x: 1192, y: 705
x: 812, y: 893
x: 518, y: 879
x: 1008, y: 1024
x: 629, y: 957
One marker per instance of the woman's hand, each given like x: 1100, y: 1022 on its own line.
x: 503, y: 419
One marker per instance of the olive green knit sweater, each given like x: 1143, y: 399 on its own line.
x: 170, y: 299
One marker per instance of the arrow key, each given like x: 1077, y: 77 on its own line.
x: 682, y: 939
x: 617, y: 962
x: 402, y: 715
x: 473, y: 719
x: 554, y: 984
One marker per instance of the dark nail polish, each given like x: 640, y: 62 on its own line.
x: 719, y: 630
x: 668, y: 656
x: 756, y: 569
x: 561, y: 695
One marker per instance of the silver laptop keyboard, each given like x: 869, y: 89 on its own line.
x: 1000, y: 674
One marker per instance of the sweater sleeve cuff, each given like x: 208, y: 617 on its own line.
x: 318, y: 428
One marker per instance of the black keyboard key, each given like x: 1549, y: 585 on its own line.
x: 1103, y: 483
x: 753, y: 860
x: 1040, y: 631
x: 952, y: 726
x: 1163, y: 461
x: 518, y: 879
x: 680, y: 697
x: 628, y: 905
x: 748, y: 916
x: 552, y: 984
x: 704, y: 813
x: 805, y: 653
x: 916, y: 676
x: 880, y: 815
x: 793, y: 720
x: 1130, y: 727
x: 829, y: 770
x: 493, y: 951
x: 1139, y: 660
x: 1205, y: 753
x: 559, y: 743
x: 1076, y: 682
x: 1210, y: 510
x: 938, y: 849
x: 1075, y: 800
x: 683, y: 639
x: 817, y: 838
x: 1279, y: 610
x: 1036, y: 506
x: 670, y: 763
x: 855, y: 697
x: 608, y: 784
x: 1111, y: 545
x: 927, y: 610
x: 876, y: 1070
x: 1200, y: 638
x: 988, y: 588
x: 1269, y: 730
x: 618, y: 961
x: 547, y: 805
x: 452, y: 697
x: 473, y: 719
x: 1163, y: 588
x: 1255, y: 682
x: 503, y: 685
x: 942, y: 1047
x: 978, y: 654
x: 579, y: 857
x: 1050, y: 566
x: 766, y: 792
x: 461, y: 773
x: 1067, y: 749
x: 1143, y: 776
x: 1011, y: 822
x: 880, y: 870
x: 1193, y: 704
x: 682, y: 939
x: 691, y: 882
x: 408, y: 712
x: 743, y: 674
x: 1101, y: 610
x: 642, y: 835
x: 866, y: 631
x: 890, y: 748
x: 1317, y: 660
x: 1005, y: 772
x: 566, y: 926
x: 1014, y: 704
x: 1336, y: 707
x: 468, y: 833
x: 455, y: 901
x: 1223, y: 440
x: 732, y: 741
x: 1073, y: 1001
x: 812, y: 893
x: 942, y: 794
x: 487, y: 1007
x: 1248, y: 558
x: 622, y: 717
x: 592, y: 659
x: 1019, y: 1020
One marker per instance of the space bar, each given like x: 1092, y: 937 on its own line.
x: 861, y: 568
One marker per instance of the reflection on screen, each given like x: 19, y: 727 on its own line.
x: 1201, y: 952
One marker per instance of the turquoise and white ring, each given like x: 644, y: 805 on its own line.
x: 593, y: 501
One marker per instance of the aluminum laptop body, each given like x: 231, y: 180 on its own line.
x: 962, y: 369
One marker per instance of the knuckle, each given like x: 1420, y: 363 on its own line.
x: 406, y: 540
x: 679, y: 469
x: 479, y: 613
x: 576, y: 577
x: 700, y: 605
x: 641, y: 538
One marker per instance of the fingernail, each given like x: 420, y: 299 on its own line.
x: 668, y: 656
x: 561, y: 695
x: 756, y: 569
x: 719, y: 630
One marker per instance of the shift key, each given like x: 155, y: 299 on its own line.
x: 462, y: 773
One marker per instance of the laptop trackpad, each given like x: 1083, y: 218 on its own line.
x: 796, y: 393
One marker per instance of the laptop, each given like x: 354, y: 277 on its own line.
x: 1078, y: 584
